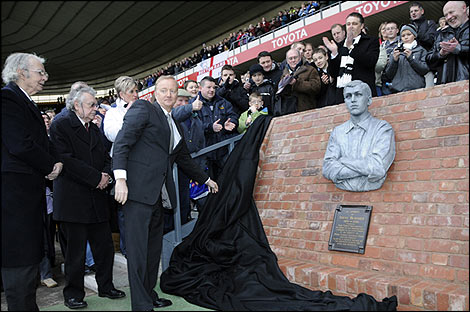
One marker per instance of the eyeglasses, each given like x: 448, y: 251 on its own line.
x: 256, y: 102
x: 40, y: 71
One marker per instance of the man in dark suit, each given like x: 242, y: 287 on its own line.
x: 149, y: 142
x: 354, y: 58
x: 27, y: 157
x: 80, y: 202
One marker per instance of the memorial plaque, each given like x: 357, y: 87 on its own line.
x: 350, y: 228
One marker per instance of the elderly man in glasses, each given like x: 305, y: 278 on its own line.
x: 27, y: 157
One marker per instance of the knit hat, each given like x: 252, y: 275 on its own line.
x: 411, y: 28
x: 256, y: 68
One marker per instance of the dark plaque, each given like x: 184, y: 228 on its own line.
x: 350, y: 228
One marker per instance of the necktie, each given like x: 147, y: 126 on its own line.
x: 86, y: 126
x: 172, y: 135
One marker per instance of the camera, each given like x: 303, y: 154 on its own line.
x: 400, y: 47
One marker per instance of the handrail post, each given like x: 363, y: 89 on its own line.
x: 177, y: 210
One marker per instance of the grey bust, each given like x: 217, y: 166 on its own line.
x: 361, y: 150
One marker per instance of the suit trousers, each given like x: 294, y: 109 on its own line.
x: 102, y: 247
x: 20, y: 285
x: 144, y: 234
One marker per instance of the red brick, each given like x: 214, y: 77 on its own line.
x: 408, y: 135
x: 451, y: 90
x: 413, y: 96
x: 404, y: 291
x: 458, y: 261
x: 425, y: 164
x: 423, y: 175
x: 439, y: 259
x: 452, y: 151
x: 416, y: 297
x: 413, y: 231
x: 347, y: 261
x: 453, y: 130
x: 430, y: 296
x: 450, y: 174
x: 442, y: 246
x: 459, y: 234
x: 438, y: 272
x: 426, y: 143
x: 458, y: 299
x: 323, y: 280
x: 303, y: 273
x: 414, y: 243
x: 397, y: 197
x: 415, y: 257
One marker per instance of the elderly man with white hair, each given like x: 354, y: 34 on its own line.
x: 27, y: 157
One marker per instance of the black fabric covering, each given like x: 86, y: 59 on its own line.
x: 226, y: 262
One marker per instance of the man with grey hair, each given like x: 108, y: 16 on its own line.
x: 80, y: 200
x: 299, y: 80
x: 27, y: 157
x: 73, y: 89
x: 361, y: 150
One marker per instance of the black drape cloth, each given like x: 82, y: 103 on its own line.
x: 226, y: 262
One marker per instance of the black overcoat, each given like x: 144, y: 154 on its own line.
x: 27, y: 157
x: 76, y: 198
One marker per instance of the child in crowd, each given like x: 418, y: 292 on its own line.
x: 255, y: 110
x: 192, y: 87
x: 407, y: 65
x: 326, y: 97
x: 262, y: 86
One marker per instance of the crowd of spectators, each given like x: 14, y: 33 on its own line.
x: 235, y: 39
x: 411, y: 56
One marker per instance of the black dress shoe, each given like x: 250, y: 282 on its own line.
x: 162, y: 302
x: 112, y: 294
x: 73, y: 303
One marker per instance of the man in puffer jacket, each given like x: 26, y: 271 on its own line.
x: 407, y: 64
x: 449, y: 55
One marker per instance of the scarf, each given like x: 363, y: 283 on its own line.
x: 410, y: 46
x: 346, y: 67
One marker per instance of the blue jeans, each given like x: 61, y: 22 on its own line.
x: 89, y: 261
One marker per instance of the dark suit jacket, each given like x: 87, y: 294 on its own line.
x: 27, y: 157
x: 141, y: 148
x: 365, y: 56
x: 76, y: 198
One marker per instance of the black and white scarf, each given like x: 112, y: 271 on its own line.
x: 346, y: 66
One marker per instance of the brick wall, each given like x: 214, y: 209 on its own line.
x: 418, y: 242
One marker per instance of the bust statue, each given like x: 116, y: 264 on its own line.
x: 361, y: 150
